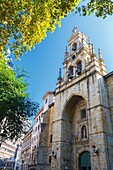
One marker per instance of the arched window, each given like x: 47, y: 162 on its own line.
x: 83, y: 113
x: 79, y: 67
x: 73, y: 57
x: 83, y: 132
x: 74, y: 47
x: 71, y: 72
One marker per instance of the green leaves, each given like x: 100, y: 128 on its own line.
x: 25, y: 23
x: 15, y: 106
x: 101, y: 8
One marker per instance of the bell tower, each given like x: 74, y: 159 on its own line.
x: 80, y: 57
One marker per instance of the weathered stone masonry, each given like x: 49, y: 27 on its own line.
x: 84, y: 88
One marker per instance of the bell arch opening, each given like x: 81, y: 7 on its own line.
x: 71, y: 72
x: 70, y: 130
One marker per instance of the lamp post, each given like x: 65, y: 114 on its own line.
x: 22, y: 164
x: 95, y: 150
x: 66, y: 167
x: 54, y: 154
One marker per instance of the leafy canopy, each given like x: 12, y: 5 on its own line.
x: 15, y: 105
x: 25, y: 23
x: 101, y: 8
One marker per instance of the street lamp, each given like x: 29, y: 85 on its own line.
x: 22, y: 164
x: 95, y: 150
x: 54, y: 154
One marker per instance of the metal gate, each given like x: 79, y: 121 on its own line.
x: 85, y: 161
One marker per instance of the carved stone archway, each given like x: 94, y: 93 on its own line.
x: 70, y: 131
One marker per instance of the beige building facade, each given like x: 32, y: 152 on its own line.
x: 26, y: 151
x: 35, y: 138
x: 44, y: 151
x: 37, y: 143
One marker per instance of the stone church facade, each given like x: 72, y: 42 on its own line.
x: 83, y: 117
x: 77, y: 128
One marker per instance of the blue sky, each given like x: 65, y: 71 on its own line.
x: 44, y: 61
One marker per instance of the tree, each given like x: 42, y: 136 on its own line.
x: 101, y: 8
x: 25, y: 23
x: 15, y: 106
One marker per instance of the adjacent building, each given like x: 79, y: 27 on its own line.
x: 74, y: 128
x: 44, y: 150
x: 26, y: 151
x: 38, y: 141
x: 9, y: 152
x: 7, y: 149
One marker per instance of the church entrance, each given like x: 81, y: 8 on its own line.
x: 74, y: 132
x: 85, y: 161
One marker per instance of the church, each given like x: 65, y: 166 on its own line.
x: 77, y: 127
x: 83, y: 111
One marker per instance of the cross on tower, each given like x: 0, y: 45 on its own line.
x: 74, y: 29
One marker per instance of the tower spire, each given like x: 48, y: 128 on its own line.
x: 60, y: 75
x: 100, y: 55
x: 82, y: 38
x: 89, y: 44
x: 89, y: 40
x: 92, y: 49
x: 66, y: 53
x: 93, y: 55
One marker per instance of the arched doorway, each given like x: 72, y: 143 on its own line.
x: 74, y: 119
x: 85, y: 161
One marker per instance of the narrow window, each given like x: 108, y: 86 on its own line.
x: 49, y: 159
x: 46, y: 101
x: 83, y: 113
x: 51, y: 138
x: 36, y: 129
x: 39, y: 118
x: 79, y: 68
x: 71, y: 72
x: 83, y: 132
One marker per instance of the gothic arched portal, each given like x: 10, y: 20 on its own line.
x: 72, y: 121
x: 85, y: 161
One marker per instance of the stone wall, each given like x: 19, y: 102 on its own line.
x: 92, y: 89
x: 109, y: 136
